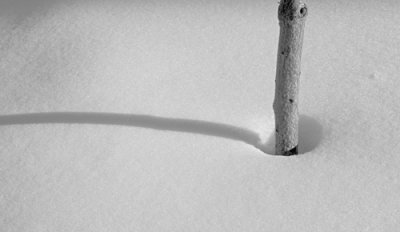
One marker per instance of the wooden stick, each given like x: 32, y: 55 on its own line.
x: 292, y: 15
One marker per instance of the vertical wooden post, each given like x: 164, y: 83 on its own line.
x: 292, y: 15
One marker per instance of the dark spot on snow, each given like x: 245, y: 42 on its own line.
x: 372, y: 76
x: 291, y: 100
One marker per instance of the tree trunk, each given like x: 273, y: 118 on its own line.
x: 292, y: 15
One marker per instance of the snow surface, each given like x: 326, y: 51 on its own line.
x: 147, y: 115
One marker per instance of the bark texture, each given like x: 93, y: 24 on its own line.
x: 292, y: 15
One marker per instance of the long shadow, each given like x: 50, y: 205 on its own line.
x: 135, y: 120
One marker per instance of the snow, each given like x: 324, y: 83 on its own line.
x: 148, y: 116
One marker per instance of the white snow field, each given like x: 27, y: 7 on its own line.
x: 147, y: 115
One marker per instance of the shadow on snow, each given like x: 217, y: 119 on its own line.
x: 143, y: 121
x: 310, y: 131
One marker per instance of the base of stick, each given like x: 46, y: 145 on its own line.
x: 294, y: 151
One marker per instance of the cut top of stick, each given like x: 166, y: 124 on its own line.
x: 289, y: 10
